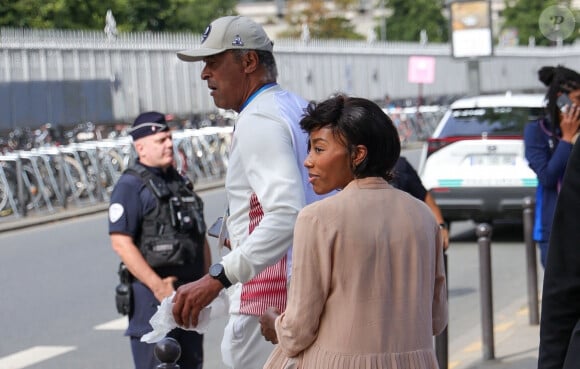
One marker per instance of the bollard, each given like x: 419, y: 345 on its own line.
x: 168, y: 352
x: 483, y: 232
x: 442, y: 340
x: 531, y: 260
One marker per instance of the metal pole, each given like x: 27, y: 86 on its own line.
x: 280, y: 8
x: 473, y: 77
x: 383, y: 22
x: 98, y: 173
x: 442, y: 340
x: 20, y: 187
x: 62, y: 181
x: 531, y: 261
x: 483, y: 232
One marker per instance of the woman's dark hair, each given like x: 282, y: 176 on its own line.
x: 558, y: 79
x: 357, y: 121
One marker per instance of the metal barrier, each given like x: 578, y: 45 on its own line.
x: 103, y: 73
x: 47, y: 179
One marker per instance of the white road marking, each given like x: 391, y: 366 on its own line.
x: 114, y: 325
x: 32, y: 356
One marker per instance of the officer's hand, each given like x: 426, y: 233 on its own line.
x: 267, y: 324
x: 192, y: 297
x: 165, y: 288
x: 445, y: 236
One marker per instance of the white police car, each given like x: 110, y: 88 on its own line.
x: 474, y: 162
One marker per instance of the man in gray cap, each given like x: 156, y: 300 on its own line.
x: 266, y: 186
x: 157, y: 228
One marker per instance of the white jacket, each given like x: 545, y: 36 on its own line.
x: 266, y: 184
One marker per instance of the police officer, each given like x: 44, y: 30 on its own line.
x: 407, y: 179
x: 156, y: 227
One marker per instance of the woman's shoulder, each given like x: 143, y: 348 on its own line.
x: 532, y: 125
x: 321, y: 205
x: 541, y: 125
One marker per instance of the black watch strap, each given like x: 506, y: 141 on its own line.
x: 217, y: 271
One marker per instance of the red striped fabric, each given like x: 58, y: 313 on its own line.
x: 268, y: 288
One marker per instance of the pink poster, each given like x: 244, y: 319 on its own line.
x: 421, y: 69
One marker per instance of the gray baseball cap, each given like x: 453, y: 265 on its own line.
x: 229, y: 33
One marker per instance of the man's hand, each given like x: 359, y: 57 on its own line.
x: 165, y: 288
x: 267, y: 325
x: 192, y: 297
x: 445, y: 236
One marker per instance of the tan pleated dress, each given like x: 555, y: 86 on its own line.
x: 368, y: 285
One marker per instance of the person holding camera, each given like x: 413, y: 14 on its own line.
x: 157, y: 228
x: 548, y: 143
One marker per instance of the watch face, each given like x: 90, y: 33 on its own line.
x: 215, y: 270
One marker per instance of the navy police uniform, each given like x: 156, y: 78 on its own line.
x: 405, y: 178
x: 132, y: 204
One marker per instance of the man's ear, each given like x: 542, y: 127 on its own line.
x: 138, y: 146
x: 250, y: 61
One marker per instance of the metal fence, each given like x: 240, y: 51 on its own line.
x: 48, y: 179
x: 66, y: 77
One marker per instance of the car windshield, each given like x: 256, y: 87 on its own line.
x: 493, y: 121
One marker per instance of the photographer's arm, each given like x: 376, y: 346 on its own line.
x: 133, y: 259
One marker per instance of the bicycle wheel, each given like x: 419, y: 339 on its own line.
x: 75, y: 187
x: 32, y: 193
x: 111, y: 164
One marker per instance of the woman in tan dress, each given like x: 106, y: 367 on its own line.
x: 368, y: 286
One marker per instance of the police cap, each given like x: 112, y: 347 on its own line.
x: 148, y: 123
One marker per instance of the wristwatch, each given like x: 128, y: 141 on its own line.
x: 442, y: 225
x: 217, y: 271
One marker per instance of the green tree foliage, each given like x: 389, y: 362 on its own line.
x: 333, y: 28
x: 130, y: 15
x: 524, y: 15
x: 321, y: 24
x: 174, y: 15
x: 410, y: 17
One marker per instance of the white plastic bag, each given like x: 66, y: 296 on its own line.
x: 162, y: 321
